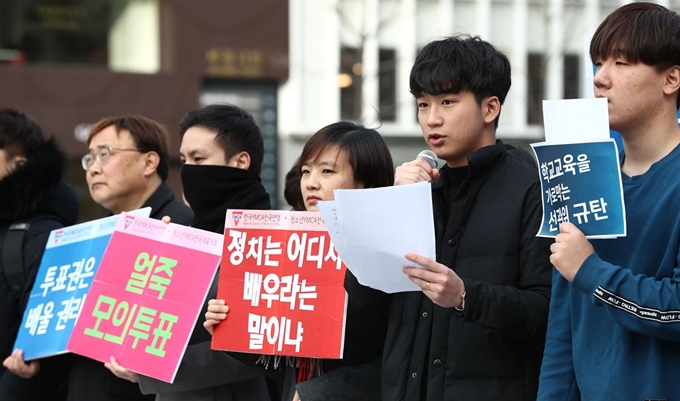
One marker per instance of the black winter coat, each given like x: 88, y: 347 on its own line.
x: 34, y: 192
x: 493, y: 349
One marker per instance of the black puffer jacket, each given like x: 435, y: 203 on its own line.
x: 33, y: 191
x: 493, y: 349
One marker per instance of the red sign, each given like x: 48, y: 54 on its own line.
x: 283, y: 282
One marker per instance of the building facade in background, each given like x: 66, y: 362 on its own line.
x: 297, y: 65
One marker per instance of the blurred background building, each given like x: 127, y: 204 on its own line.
x: 297, y: 65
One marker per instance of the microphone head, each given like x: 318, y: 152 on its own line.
x: 429, y: 156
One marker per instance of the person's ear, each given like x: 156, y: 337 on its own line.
x: 151, y: 162
x: 491, y: 108
x: 240, y: 160
x: 672, y: 83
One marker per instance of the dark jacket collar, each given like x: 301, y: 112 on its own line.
x: 37, y: 188
x: 479, y: 162
x: 159, y: 199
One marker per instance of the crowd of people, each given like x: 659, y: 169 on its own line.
x: 502, y: 314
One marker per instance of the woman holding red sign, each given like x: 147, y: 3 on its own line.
x: 342, y: 155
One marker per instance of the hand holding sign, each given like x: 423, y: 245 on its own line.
x: 570, y: 250
x: 217, y: 312
x: 15, y: 363
x: 120, y: 371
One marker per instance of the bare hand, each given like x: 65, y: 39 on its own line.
x: 570, y: 250
x: 217, y: 312
x: 15, y: 363
x: 166, y: 219
x: 120, y: 371
x: 296, y: 397
x: 441, y: 284
x: 415, y: 171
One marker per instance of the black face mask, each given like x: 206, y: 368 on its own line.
x: 211, y: 190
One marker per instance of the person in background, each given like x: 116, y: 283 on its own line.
x: 291, y: 191
x: 126, y: 167
x: 342, y: 155
x: 614, y: 327
x: 127, y: 164
x: 221, y: 151
x: 34, y: 200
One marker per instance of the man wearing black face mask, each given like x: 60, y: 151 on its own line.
x: 212, y: 138
x: 222, y: 150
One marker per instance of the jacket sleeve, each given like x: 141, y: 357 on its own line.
x: 519, y: 311
x: 645, y: 305
x: 557, y: 381
x: 201, y: 367
x: 345, y: 383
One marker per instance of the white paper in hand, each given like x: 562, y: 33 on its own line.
x: 373, y: 228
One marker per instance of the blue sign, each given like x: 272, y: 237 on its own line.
x: 67, y: 268
x: 581, y: 184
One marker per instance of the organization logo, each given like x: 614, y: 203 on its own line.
x: 57, y: 235
x: 237, y: 216
x: 128, y: 221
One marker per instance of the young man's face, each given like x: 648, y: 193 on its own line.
x: 634, y: 92
x: 453, y: 125
x: 199, y: 147
x: 121, y: 177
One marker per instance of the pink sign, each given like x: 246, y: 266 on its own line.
x: 147, y: 295
x: 283, y: 282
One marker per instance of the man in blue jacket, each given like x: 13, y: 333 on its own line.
x: 614, y: 326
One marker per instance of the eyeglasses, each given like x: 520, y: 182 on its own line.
x: 101, y: 156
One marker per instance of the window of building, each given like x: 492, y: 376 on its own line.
x: 536, y: 90
x: 572, y: 67
x: 387, y: 77
x: 122, y: 35
x: 536, y: 83
x: 350, y: 82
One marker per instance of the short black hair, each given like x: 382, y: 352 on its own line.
x: 19, y: 134
x: 236, y: 131
x: 366, y: 151
x: 639, y: 32
x: 461, y: 63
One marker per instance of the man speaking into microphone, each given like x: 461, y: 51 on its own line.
x: 476, y: 330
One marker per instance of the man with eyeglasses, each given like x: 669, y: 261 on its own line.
x: 222, y: 150
x: 127, y: 165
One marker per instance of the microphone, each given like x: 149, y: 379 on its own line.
x: 429, y: 157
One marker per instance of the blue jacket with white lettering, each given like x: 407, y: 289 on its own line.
x: 614, y: 333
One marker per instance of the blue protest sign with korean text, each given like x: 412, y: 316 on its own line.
x: 581, y: 184
x: 69, y: 263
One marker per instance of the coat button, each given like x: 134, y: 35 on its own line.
x: 437, y: 362
x: 414, y: 375
x: 424, y: 314
x: 451, y: 242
